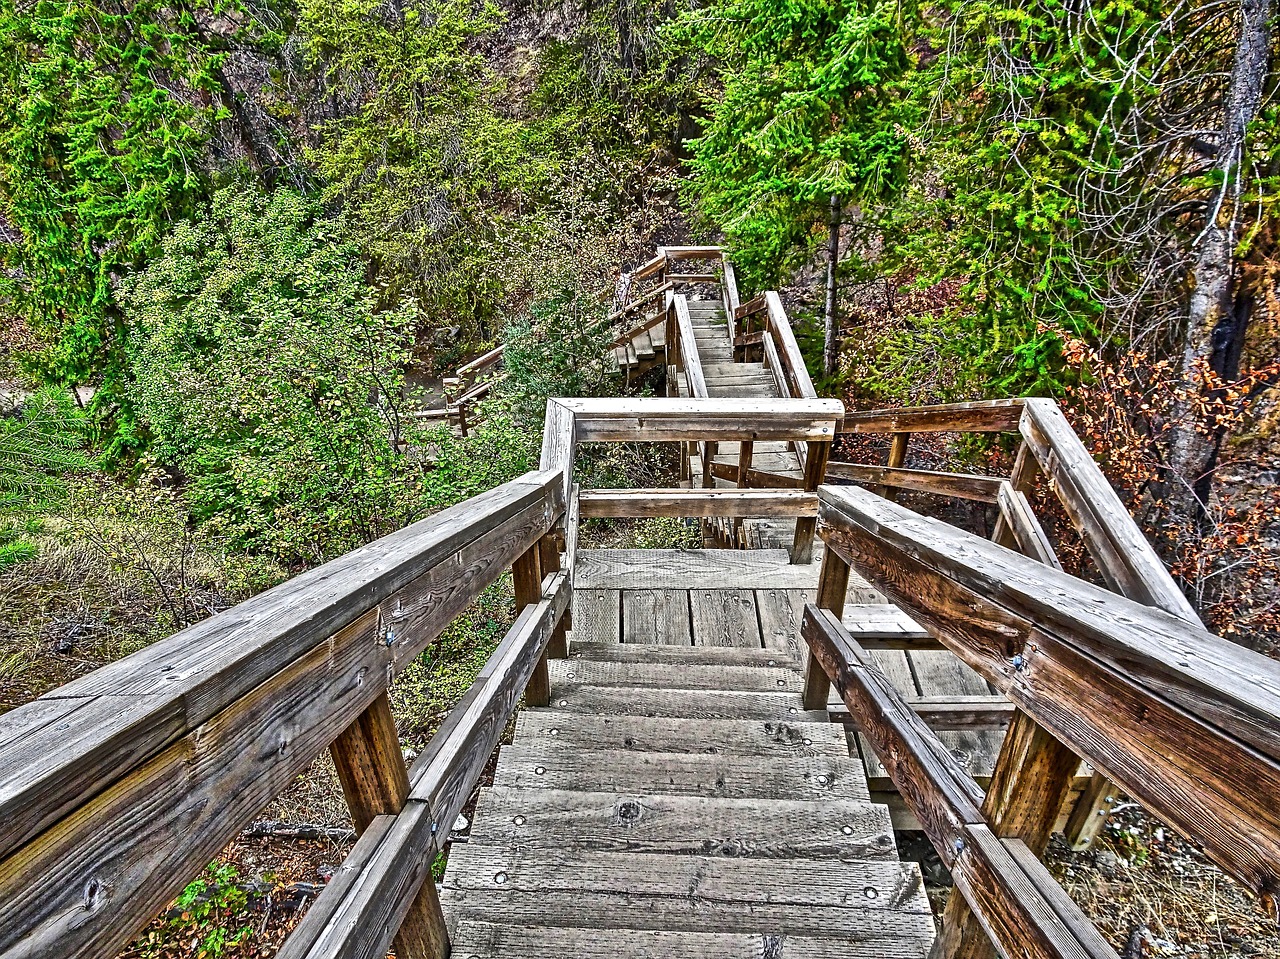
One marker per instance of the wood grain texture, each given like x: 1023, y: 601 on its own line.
x: 656, y: 617
x: 486, y: 940
x: 650, y: 675
x: 85, y: 886
x: 690, y: 569
x: 1172, y: 713
x: 130, y: 710
x: 682, y: 703
x: 697, y: 502
x: 662, y: 419
x: 982, y: 416
x: 596, y: 616
x: 781, y: 611
x: 983, y: 489
x: 370, y: 764
x: 684, y: 655
x: 847, y: 830
x: 684, y: 774
x: 725, y: 737
x: 725, y: 617
x: 693, y: 893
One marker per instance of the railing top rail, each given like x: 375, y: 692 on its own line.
x: 1179, y: 717
x: 128, y: 746
x: 678, y: 419
x: 989, y: 416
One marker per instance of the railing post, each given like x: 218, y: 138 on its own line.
x: 815, y: 468
x: 745, y: 451
x: 375, y: 782
x: 833, y: 584
x: 526, y: 571
x: 1023, y: 477
x: 549, y: 562
x: 897, y: 456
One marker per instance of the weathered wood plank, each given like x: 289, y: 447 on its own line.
x: 683, y: 703
x: 697, y: 502
x: 653, y: 891
x: 682, y: 676
x: 86, y: 885
x: 681, y: 655
x: 1015, y: 510
x: 689, y: 774
x: 781, y: 611
x: 694, y: 377
x: 130, y: 710
x: 485, y: 940
x: 836, y: 829
x: 793, y: 365
x: 984, y: 489
x: 981, y: 416
x: 690, y: 569
x: 656, y: 617
x: 666, y: 419
x: 725, y: 617
x: 1173, y: 714
x: 729, y: 737
x: 596, y: 616
x: 370, y: 765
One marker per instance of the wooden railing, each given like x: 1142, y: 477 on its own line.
x: 1185, y: 722
x: 118, y: 788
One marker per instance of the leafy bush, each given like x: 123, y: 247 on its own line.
x: 270, y: 381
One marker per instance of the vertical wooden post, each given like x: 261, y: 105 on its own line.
x: 462, y: 418
x: 1030, y: 783
x: 897, y: 456
x: 526, y: 571
x: 745, y: 450
x: 1089, y: 814
x: 833, y: 584
x: 815, y: 468
x: 549, y: 562
x: 375, y: 782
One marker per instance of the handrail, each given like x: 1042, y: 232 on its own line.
x: 1175, y: 715
x: 694, y: 377
x: 119, y: 787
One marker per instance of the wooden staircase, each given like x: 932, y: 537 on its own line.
x: 675, y: 799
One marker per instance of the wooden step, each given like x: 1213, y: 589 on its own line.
x: 600, y: 890
x: 644, y: 346
x: 691, y: 569
x: 680, y: 704
x: 727, y: 737
x: 683, y: 774
x: 846, y: 830
x: 682, y: 655
x: 670, y: 676
x: 476, y: 939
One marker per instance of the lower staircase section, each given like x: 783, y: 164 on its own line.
x: 675, y: 800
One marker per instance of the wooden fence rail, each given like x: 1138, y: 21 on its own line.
x: 1179, y: 718
x: 120, y: 787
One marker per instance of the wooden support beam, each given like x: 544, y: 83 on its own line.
x: 897, y: 456
x: 1024, y: 528
x: 758, y: 479
x: 833, y: 585
x: 526, y: 573
x: 982, y: 416
x: 815, y: 467
x: 596, y: 503
x: 984, y: 489
x: 370, y: 764
x: 1089, y: 814
x: 659, y: 419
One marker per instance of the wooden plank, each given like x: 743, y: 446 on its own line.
x: 680, y: 655
x: 689, y: 350
x: 942, y: 713
x: 685, y: 703
x: 757, y: 304
x: 654, y: 294
x: 690, y: 569
x: 370, y: 765
x: 781, y: 611
x: 130, y: 710
x: 668, y: 419
x: 444, y: 775
x: 1122, y: 553
x: 682, y: 676
x: 797, y: 374
x: 87, y: 884
x: 697, y: 502
x: 687, y: 774
x: 489, y: 940
x: 1015, y: 510
x: 694, y: 893
x: 1173, y: 714
x: 841, y: 830
x: 596, y: 616
x: 815, y: 465
x: 984, y: 489
x: 727, y: 737
x: 559, y: 443
x: 982, y: 416
x: 790, y: 478
x: 833, y: 585
x: 725, y: 617
x: 481, y: 363
x: 656, y: 616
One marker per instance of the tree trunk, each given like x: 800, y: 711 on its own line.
x: 1219, y: 310
x: 830, y: 316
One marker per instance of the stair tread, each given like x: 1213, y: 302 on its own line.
x: 674, y: 676
x: 534, y: 766
x: 731, y: 737
x: 682, y: 704
x: 696, y: 655
x: 838, y: 829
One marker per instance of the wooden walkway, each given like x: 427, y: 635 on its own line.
x: 675, y: 798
